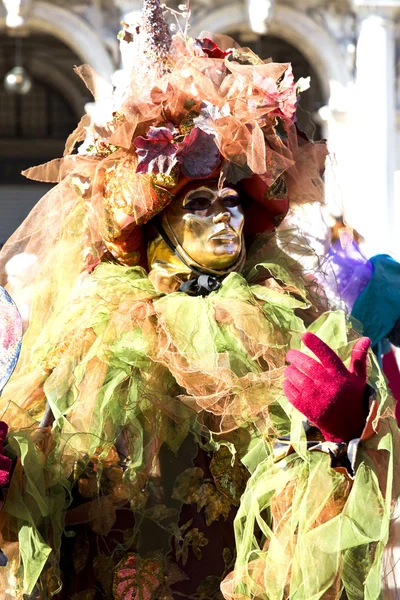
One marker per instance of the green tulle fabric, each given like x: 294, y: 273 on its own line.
x: 128, y: 372
x: 305, y: 530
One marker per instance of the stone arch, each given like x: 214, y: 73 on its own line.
x: 293, y: 26
x: 67, y: 86
x: 75, y: 33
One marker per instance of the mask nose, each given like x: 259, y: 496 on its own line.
x: 222, y: 217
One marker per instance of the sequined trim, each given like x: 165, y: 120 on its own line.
x: 166, y: 181
x: 187, y: 123
x: 278, y: 190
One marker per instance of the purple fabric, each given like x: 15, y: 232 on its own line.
x: 351, y: 271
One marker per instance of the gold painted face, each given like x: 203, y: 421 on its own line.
x: 207, y: 223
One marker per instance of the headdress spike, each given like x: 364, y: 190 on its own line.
x: 155, y: 34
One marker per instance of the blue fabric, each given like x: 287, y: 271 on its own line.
x: 378, y: 305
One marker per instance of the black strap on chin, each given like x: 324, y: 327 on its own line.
x: 201, y: 284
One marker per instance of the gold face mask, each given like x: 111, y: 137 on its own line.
x: 206, y: 223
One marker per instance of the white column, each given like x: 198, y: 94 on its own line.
x: 371, y: 210
x: 260, y: 12
x: 130, y: 12
x: 16, y: 12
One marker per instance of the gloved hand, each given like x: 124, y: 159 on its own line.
x: 326, y: 392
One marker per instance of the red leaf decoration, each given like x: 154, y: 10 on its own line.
x: 156, y: 152
x: 198, y: 154
x: 212, y: 50
x: 136, y: 578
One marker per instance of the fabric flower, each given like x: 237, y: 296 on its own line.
x: 212, y: 50
x: 159, y: 152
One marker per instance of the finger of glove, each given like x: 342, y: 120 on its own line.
x: 308, y: 365
x: 328, y: 357
x: 291, y: 393
x: 298, y: 379
x: 358, y: 365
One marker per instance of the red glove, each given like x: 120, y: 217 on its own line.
x: 329, y: 395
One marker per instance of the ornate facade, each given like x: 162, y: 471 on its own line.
x: 349, y: 47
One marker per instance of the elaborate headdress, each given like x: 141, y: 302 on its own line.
x: 190, y: 110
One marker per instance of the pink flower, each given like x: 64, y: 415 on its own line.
x: 282, y: 93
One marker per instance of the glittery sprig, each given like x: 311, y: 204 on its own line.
x: 155, y: 34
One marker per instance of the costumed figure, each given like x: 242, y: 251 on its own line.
x: 157, y: 454
x: 369, y: 289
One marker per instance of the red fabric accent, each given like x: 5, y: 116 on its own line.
x: 326, y: 392
x: 263, y: 214
x: 257, y: 220
x: 256, y: 188
x: 3, y: 433
x: 5, y: 462
x: 212, y: 50
x: 392, y: 372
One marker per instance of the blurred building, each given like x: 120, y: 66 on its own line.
x: 348, y: 47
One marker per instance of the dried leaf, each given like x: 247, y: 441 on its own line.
x: 88, y: 485
x: 198, y: 154
x: 191, y: 489
x: 191, y: 538
x: 81, y: 552
x: 103, y: 569
x: 187, y: 485
x: 136, y: 578
x: 174, y: 574
x: 177, y: 433
x: 135, y: 491
x: 125, y: 36
x: 160, y: 512
x: 156, y: 152
x: 185, y: 526
x: 197, y: 540
x: 112, y: 483
x: 188, y: 104
x: 102, y: 515
x: 228, y: 557
x: 230, y: 480
x: 234, y: 173
x: 245, y: 56
x: 208, y: 587
x: 52, y: 581
x: 208, y: 114
x: 216, y: 505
